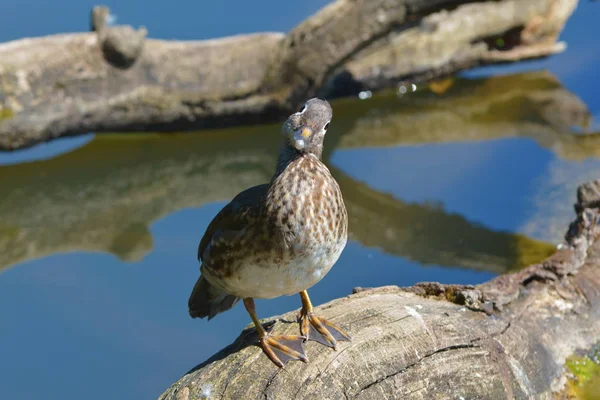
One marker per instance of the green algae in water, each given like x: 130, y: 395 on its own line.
x: 585, y: 384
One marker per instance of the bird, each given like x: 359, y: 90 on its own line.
x: 278, y: 239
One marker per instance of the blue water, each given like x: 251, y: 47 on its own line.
x: 88, y: 324
x: 476, y: 176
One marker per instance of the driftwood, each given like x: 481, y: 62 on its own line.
x: 114, y: 79
x: 505, y: 339
x: 166, y: 174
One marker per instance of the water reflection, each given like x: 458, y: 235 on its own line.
x: 103, y: 196
x: 530, y: 104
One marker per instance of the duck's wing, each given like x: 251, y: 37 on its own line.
x: 221, y: 239
x: 236, y: 216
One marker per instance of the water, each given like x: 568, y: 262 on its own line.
x: 98, y: 235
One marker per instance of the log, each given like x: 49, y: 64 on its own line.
x: 505, y: 339
x: 115, y: 79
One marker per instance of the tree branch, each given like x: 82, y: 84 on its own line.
x: 114, y: 79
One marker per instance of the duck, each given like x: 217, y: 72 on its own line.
x: 278, y: 239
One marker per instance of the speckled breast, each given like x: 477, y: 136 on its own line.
x: 303, y: 233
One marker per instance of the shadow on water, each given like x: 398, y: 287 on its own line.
x: 104, y: 196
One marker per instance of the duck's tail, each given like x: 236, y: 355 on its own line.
x: 207, y: 301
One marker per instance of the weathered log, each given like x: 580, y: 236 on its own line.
x: 113, y: 79
x: 505, y: 339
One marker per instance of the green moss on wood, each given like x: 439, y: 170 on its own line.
x: 585, y: 381
x: 6, y: 113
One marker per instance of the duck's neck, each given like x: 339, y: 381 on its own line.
x: 288, y: 154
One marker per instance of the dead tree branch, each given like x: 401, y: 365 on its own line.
x: 114, y: 79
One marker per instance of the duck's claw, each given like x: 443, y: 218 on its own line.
x: 282, y: 348
x: 321, y: 330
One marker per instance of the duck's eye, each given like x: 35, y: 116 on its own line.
x: 326, y: 126
x: 302, y: 109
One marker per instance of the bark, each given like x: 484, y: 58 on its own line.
x: 507, y: 338
x: 114, y: 79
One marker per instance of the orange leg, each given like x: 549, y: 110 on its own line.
x: 318, y: 328
x: 279, y: 348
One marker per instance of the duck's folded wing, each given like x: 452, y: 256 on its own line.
x: 229, y: 224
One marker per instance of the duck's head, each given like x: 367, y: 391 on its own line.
x: 306, y: 128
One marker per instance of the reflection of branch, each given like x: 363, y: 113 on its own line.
x: 531, y: 104
x: 103, y: 197
x: 116, y: 79
x: 429, y: 235
x: 149, y: 178
x: 85, y: 202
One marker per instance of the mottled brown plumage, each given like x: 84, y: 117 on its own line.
x: 279, y: 238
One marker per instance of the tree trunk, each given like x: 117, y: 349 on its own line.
x: 114, y: 79
x: 507, y: 338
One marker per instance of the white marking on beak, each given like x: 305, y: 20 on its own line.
x: 299, y: 144
x: 300, y: 137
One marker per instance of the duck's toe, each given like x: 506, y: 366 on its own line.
x: 321, y: 330
x: 282, y: 348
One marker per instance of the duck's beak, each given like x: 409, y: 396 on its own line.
x: 301, y: 136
